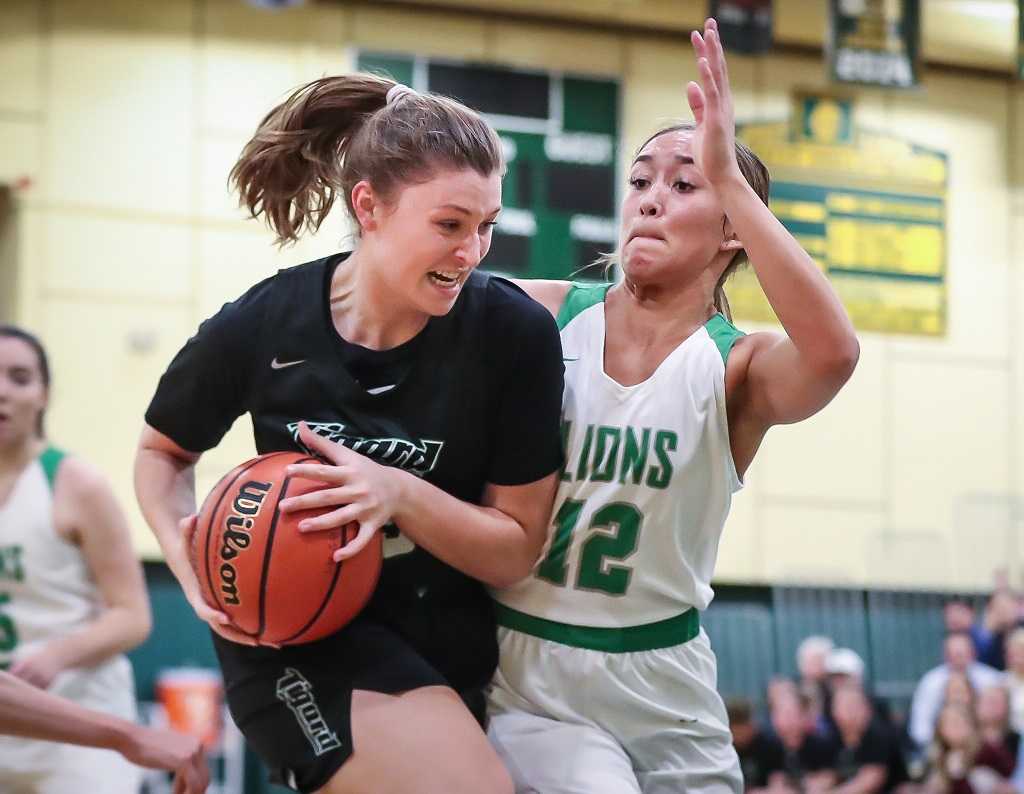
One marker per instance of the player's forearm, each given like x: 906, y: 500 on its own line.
x: 116, y: 630
x: 797, y: 290
x: 483, y: 542
x: 35, y: 714
x: 165, y: 489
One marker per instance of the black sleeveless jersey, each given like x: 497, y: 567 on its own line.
x: 478, y: 403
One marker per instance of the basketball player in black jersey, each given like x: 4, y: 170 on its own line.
x: 434, y: 390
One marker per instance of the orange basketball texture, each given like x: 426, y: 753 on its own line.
x: 276, y: 584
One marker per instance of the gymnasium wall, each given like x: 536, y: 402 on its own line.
x: 125, y: 117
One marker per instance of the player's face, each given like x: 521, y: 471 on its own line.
x: 672, y: 221
x: 436, y: 233
x: 22, y: 392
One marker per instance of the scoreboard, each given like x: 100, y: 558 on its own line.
x: 868, y: 207
x: 560, y: 135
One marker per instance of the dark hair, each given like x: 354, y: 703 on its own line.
x: 756, y: 174
x: 740, y: 711
x: 336, y: 131
x: 13, y: 332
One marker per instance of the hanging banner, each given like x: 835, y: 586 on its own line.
x: 745, y: 25
x: 868, y: 207
x: 875, y: 42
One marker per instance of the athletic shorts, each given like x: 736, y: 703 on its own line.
x: 293, y: 704
x: 569, y: 720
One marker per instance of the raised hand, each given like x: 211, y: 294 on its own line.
x: 714, y: 140
x: 362, y: 490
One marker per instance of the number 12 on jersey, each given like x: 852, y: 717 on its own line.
x: 614, y: 535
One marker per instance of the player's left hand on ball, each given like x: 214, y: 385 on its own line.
x: 362, y: 490
x: 39, y: 669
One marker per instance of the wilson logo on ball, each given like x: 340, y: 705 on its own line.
x: 276, y: 584
x: 237, y: 535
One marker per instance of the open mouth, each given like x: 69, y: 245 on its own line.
x: 445, y: 278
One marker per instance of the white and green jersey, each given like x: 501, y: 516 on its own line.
x: 47, y: 591
x: 644, y: 493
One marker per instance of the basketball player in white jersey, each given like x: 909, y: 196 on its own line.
x: 606, y: 683
x: 72, y: 597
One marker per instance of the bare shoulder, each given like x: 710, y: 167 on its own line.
x: 549, y: 293
x: 743, y: 351
x: 77, y: 478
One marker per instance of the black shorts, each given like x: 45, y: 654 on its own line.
x: 293, y: 705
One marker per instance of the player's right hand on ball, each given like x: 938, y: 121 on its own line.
x: 183, y: 755
x: 216, y: 619
x: 361, y: 490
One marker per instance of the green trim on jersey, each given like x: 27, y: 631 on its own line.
x: 581, y: 296
x: 723, y: 333
x: 647, y: 637
x: 50, y: 460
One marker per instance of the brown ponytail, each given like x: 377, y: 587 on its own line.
x: 336, y: 131
x: 721, y: 300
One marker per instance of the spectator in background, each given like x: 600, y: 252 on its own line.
x: 844, y: 666
x: 992, y: 710
x: 811, y: 656
x: 929, y: 695
x: 779, y: 688
x: 1015, y: 678
x: 1000, y: 618
x: 755, y: 749
x: 864, y: 748
x: 958, y: 616
x: 801, y: 761
x: 959, y: 691
x: 959, y: 763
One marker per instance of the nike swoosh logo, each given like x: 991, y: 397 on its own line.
x: 275, y: 364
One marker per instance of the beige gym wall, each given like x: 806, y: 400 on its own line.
x: 126, y: 116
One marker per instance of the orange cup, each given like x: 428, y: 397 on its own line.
x: 191, y: 697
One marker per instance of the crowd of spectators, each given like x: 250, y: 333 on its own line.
x: 826, y: 731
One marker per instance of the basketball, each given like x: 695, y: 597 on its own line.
x: 276, y: 584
